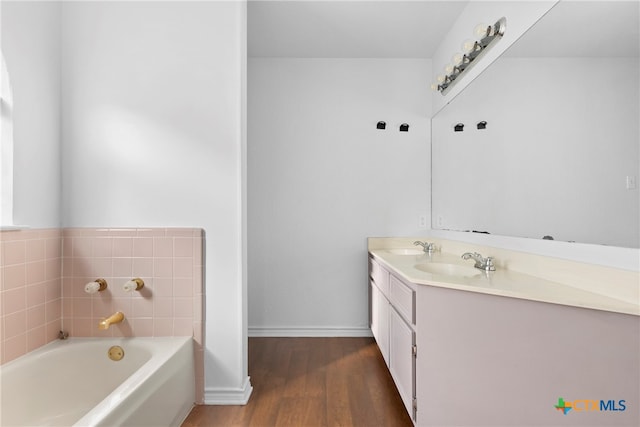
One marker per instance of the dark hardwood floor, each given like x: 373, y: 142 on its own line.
x: 312, y: 382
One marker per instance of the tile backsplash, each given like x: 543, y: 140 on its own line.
x: 30, y: 290
x: 44, y: 272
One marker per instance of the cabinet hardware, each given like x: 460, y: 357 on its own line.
x: 414, y: 351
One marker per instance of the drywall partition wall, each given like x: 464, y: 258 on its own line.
x: 520, y: 15
x: 322, y: 179
x: 31, y: 47
x: 152, y: 124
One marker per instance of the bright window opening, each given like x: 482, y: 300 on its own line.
x: 6, y: 151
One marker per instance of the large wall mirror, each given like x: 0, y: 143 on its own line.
x: 559, y: 157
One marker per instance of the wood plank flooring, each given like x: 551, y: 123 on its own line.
x: 305, y: 382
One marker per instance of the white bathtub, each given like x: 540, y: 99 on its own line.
x: 74, y: 383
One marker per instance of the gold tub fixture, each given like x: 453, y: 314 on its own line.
x: 133, y: 285
x: 116, y: 317
x: 115, y: 353
x: 97, y: 285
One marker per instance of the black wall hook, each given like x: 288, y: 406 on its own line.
x: 404, y: 127
x: 458, y: 128
x: 482, y: 125
x: 381, y: 125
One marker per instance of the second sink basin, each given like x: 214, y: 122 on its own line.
x: 454, y: 270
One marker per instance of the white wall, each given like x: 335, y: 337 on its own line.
x: 31, y: 45
x: 322, y: 179
x: 152, y: 124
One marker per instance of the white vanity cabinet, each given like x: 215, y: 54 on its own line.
x: 380, y: 321
x: 402, y: 362
x: 392, y: 325
x: 379, y: 287
x: 505, y: 348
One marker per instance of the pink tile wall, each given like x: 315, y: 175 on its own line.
x: 44, y: 273
x: 169, y: 260
x: 30, y: 290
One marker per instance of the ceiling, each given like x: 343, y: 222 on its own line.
x: 349, y: 29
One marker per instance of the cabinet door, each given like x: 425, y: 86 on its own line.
x: 380, y: 321
x: 401, y: 356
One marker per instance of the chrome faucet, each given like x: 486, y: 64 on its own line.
x: 428, y: 247
x: 485, y: 264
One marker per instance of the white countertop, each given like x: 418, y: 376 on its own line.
x: 502, y: 282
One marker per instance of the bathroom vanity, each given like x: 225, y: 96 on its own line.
x: 469, y: 347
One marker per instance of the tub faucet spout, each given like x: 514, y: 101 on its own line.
x: 116, y: 317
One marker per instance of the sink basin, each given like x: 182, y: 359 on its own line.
x: 454, y: 270
x: 406, y: 251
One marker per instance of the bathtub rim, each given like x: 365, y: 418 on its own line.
x: 136, y: 380
x: 53, y: 345
x: 132, y: 383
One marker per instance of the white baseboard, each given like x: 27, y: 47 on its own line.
x: 228, y: 396
x: 260, y: 331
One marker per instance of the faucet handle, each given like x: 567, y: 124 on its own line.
x: 428, y: 247
x: 488, y: 265
x: 473, y: 255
